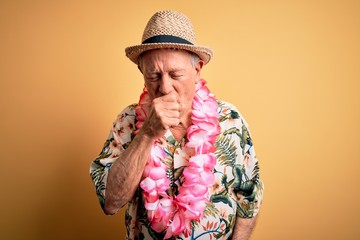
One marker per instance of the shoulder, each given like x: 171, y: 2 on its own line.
x: 229, y: 113
x: 129, y: 110
x: 127, y: 114
x: 124, y: 124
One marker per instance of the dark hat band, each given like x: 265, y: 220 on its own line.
x: 166, y: 39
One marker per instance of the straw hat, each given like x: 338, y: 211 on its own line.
x: 169, y: 29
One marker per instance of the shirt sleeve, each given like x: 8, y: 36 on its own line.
x: 119, y: 138
x: 247, y: 187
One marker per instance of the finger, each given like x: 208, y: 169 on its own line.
x: 170, y: 122
x: 172, y: 106
x: 170, y: 114
x: 171, y: 97
x: 160, y: 105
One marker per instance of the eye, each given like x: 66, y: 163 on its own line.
x: 176, y: 76
x: 153, y: 77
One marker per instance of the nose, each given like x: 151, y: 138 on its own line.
x: 165, y: 85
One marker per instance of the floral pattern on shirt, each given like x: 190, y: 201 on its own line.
x: 236, y: 192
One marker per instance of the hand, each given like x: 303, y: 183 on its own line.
x: 164, y: 113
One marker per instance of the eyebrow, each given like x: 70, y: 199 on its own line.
x: 172, y: 70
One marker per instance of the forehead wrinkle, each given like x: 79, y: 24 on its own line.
x: 155, y: 63
x: 154, y: 69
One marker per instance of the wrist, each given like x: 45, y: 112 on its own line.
x: 146, y: 134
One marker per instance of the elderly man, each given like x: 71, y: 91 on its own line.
x: 183, y: 161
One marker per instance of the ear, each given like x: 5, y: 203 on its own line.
x: 139, y: 68
x: 199, y: 66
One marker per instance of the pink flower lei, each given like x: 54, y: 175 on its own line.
x: 175, y: 213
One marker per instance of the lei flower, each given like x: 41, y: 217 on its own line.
x: 174, y: 214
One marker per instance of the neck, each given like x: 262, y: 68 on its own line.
x: 180, y: 131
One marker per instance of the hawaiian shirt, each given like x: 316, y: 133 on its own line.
x: 236, y: 192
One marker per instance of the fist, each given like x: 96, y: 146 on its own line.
x: 164, y: 113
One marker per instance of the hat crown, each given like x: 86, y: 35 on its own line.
x: 169, y: 29
x: 170, y: 23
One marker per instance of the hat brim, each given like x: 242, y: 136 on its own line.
x: 133, y: 52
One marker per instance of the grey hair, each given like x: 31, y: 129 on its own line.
x: 194, y: 58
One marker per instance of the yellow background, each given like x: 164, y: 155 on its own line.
x: 291, y: 67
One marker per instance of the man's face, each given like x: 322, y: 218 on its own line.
x: 166, y: 71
